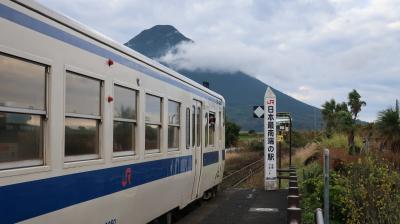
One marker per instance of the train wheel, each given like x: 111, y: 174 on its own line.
x: 207, y: 195
x: 164, y: 219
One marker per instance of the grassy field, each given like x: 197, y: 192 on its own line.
x: 250, y: 137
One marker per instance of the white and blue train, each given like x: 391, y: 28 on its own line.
x: 94, y: 132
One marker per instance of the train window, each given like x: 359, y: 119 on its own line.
x: 124, y: 120
x: 82, y: 118
x: 223, y: 114
x: 22, y: 112
x: 198, y: 125
x: 206, y: 131
x: 153, y: 123
x: 187, y: 128
x: 220, y: 125
x: 173, y: 124
x: 193, y: 126
x: 211, y: 128
x: 82, y: 95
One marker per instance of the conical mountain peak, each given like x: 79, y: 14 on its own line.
x: 157, y: 41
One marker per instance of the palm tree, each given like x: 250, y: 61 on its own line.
x: 388, y: 124
x: 328, y: 114
x: 355, y: 103
x: 336, y: 116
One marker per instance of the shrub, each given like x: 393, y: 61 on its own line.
x: 372, y: 192
x: 365, y: 191
x: 231, y: 134
x: 299, y: 139
x: 311, y: 187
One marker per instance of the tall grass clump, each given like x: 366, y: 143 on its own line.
x: 340, y: 141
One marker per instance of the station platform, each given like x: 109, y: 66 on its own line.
x: 232, y: 206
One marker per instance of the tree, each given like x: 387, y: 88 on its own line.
x: 388, y: 124
x: 328, y: 114
x: 355, y: 103
x: 336, y: 116
x: 343, y: 121
x: 231, y: 134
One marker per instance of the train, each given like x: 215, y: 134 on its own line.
x: 94, y: 132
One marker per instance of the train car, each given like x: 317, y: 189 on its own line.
x: 94, y: 132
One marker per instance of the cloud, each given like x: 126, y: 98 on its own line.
x: 312, y: 50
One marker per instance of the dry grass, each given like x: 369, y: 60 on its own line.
x: 299, y: 158
x: 304, y: 154
x: 238, y: 159
x: 338, y: 158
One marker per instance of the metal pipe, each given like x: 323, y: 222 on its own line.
x: 280, y: 161
x: 319, y: 218
x: 326, y: 186
x: 290, y: 140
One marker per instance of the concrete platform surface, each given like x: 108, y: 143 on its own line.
x: 232, y: 206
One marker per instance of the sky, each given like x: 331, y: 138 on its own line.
x: 312, y: 50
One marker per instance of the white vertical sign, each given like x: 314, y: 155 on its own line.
x: 270, y: 182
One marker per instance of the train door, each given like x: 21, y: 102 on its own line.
x: 196, y: 146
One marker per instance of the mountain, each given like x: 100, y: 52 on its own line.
x: 241, y: 91
x: 156, y: 41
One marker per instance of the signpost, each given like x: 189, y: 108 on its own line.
x: 258, y: 112
x: 270, y: 178
x: 271, y: 137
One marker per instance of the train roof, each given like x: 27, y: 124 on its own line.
x: 107, y: 41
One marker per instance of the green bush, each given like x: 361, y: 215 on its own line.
x: 231, y: 134
x: 367, y: 191
x: 372, y: 192
x: 311, y: 187
x: 299, y: 139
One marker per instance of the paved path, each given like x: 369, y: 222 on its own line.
x: 248, y: 206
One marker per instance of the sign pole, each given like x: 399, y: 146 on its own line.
x: 280, y: 160
x: 270, y: 178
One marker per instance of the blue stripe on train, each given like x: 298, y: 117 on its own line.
x: 210, y: 158
x: 56, y: 33
x: 30, y: 199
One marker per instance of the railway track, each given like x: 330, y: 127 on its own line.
x: 241, y: 175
